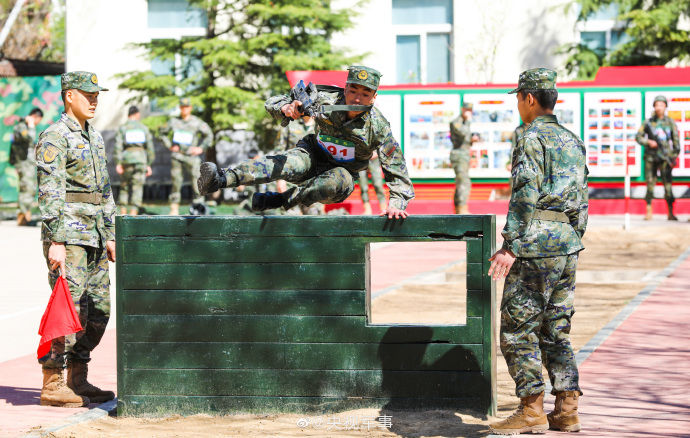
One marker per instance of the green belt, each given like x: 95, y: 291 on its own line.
x: 86, y: 198
x: 550, y: 215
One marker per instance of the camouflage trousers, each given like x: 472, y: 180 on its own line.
x: 652, y: 167
x: 132, y: 185
x: 26, y: 174
x: 180, y: 164
x: 460, y: 159
x: 89, y: 284
x: 536, y: 310
x: 376, y: 180
x: 316, y: 179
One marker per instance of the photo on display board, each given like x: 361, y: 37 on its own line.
x: 618, y: 160
x: 605, y: 161
x: 630, y: 112
x: 618, y: 136
x: 593, y: 160
x: 442, y: 140
x: 687, y: 148
x: 441, y: 163
x: 593, y: 124
x: 593, y: 137
x: 687, y: 116
x: 617, y: 124
x: 631, y: 125
x: 564, y: 116
x: 618, y: 112
x: 593, y: 112
x: 687, y: 135
x: 630, y: 136
x: 606, y: 112
x: 618, y: 148
x: 474, y: 159
x: 483, y: 159
x: 506, y: 136
x: 501, y: 158
x: 592, y: 149
x: 676, y: 115
x: 605, y: 137
x: 420, y: 118
x: 606, y: 124
x: 419, y: 140
x: 605, y: 148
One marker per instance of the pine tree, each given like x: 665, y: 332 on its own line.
x: 656, y: 33
x: 248, y: 46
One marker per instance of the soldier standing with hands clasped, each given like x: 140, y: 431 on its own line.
x: 78, y: 233
x: 462, y: 139
x: 133, y: 156
x: 187, y: 137
x: 659, y: 135
x: 23, y: 160
x: 546, y: 220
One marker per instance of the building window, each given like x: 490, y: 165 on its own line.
x: 423, y: 35
x: 601, y: 32
x: 173, y: 19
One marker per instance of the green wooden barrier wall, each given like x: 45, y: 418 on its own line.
x: 252, y: 314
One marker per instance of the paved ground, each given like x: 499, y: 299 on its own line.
x: 648, y: 348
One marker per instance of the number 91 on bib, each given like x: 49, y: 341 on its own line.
x: 340, y: 150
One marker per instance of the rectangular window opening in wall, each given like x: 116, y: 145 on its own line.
x: 423, y: 33
x: 417, y: 283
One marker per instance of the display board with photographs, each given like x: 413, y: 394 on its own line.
x: 679, y: 110
x: 611, y: 123
x: 494, y: 118
x: 567, y: 111
x: 427, y: 133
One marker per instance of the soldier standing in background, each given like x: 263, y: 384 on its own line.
x: 659, y: 135
x: 377, y: 181
x: 78, y: 233
x: 187, y: 137
x: 24, y: 161
x: 547, y: 217
x: 133, y: 156
x: 462, y: 139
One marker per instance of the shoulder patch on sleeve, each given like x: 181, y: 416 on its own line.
x: 50, y: 153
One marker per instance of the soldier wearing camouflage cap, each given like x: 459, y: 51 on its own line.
x: 78, y: 233
x: 659, y: 136
x: 348, y: 129
x: 461, y: 137
x: 547, y: 216
x: 188, y: 137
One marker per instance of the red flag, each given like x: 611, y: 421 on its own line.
x: 59, y: 319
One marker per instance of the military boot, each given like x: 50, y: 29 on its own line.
x: 648, y: 215
x: 76, y: 380
x: 564, y: 416
x: 210, y: 180
x: 458, y: 209
x: 367, y: 209
x: 671, y: 217
x: 267, y: 201
x: 174, y: 209
x: 123, y: 210
x: 133, y: 211
x: 529, y: 417
x: 27, y: 216
x: 21, y: 219
x: 56, y: 393
x: 464, y: 209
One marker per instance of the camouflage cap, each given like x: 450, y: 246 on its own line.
x: 185, y: 101
x: 467, y: 106
x: 660, y: 98
x: 80, y: 80
x: 536, y: 79
x: 366, y: 76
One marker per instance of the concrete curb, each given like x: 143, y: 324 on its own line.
x: 102, y: 410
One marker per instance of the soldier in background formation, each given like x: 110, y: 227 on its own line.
x: 187, y: 137
x: 659, y: 135
x: 462, y: 138
x: 547, y: 217
x: 133, y: 156
x: 23, y: 159
x: 324, y: 164
x: 78, y: 233
x: 376, y: 180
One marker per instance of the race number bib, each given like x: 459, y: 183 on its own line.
x: 183, y: 138
x: 135, y: 136
x: 340, y: 150
x: 660, y: 134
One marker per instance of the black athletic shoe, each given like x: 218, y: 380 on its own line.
x: 267, y: 201
x: 210, y: 180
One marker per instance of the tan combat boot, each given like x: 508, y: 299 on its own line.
x: 464, y: 209
x: 27, y: 216
x: 564, y: 416
x: 56, y: 393
x: 123, y: 211
x: 76, y: 380
x: 367, y: 208
x: 174, y: 209
x: 133, y: 211
x: 529, y: 417
x: 648, y: 216
x: 21, y: 219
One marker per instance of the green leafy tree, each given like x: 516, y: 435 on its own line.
x: 242, y: 59
x: 655, y: 33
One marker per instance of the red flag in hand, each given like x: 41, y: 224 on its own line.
x: 59, y: 319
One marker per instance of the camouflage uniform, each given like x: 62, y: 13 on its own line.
x: 513, y: 142
x: 376, y: 180
x: 134, y: 151
x: 326, y: 163
x: 77, y: 208
x: 461, y: 137
x: 546, y: 220
x: 186, y: 134
x: 23, y: 159
x: 659, y: 160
